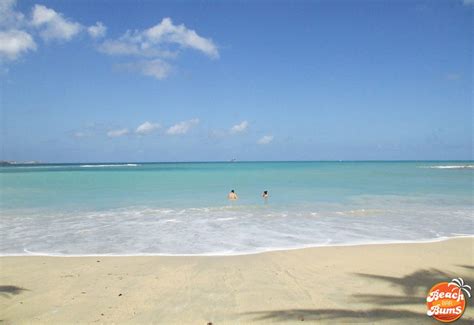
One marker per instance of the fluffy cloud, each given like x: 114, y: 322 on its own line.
x: 17, y: 31
x: 155, y: 45
x: 9, y: 18
x: 147, y: 128
x: 162, y: 41
x: 14, y: 39
x: 98, y: 30
x: 119, y: 47
x: 167, y: 32
x: 241, y: 127
x: 13, y: 43
x: 182, y: 127
x: 154, y: 41
x: 266, y: 139
x: 113, y: 47
x: 53, y: 25
x: 157, y: 68
x: 117, y: 133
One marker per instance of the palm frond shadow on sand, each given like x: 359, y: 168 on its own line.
x: 8, y: 290
x: 386, y: 307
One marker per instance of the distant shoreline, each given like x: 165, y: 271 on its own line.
x: 14, y: 163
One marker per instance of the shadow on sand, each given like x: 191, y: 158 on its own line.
x: 415, y: 286
x: 469, y: 267
x: 339, y: 315
x: 419, y: 282
x: 8, y: 291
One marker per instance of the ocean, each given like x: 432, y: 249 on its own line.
x: 182, y: 208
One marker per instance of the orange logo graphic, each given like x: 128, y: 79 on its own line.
x: 446, y: 301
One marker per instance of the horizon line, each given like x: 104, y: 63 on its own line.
x: 14, y: 163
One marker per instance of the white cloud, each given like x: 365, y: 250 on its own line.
x: 117, y: 133
x: 17, y: 30
x: 266, y: 139
x: 13, y: 43
x: 147, y: 128
x: 113, y: 47
x: 167, y: 32
x: 121, y: 47
x: 468, y: 2
x: 9, y: 18
x: 14, y: 39
x: 241, y: 127
x: 182, y: 127
x: 98, y: 30
x: 158, y: 43
x: 155, y: 41
x: 53, y: 25
x: 157, y: 68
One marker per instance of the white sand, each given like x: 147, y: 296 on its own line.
x: 371, y: 283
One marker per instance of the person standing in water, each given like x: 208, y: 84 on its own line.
x: 232, y: 196
x: 265, y: 195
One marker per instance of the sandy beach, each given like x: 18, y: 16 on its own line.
x: 373, y: 283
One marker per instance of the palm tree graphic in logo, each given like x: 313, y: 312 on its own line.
x: 461, y: 286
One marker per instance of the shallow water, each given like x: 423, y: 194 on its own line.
x: 181, y: 208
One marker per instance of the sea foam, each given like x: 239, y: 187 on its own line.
x: 450, y: 167
x: 228, y: 230
x: 110, y: 165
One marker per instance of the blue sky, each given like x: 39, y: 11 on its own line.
x: 207, y: 80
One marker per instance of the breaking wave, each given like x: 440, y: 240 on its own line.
x: 110, y: 165
x: 450, y: 167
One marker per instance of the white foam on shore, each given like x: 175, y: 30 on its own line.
x: 229, y: 230
x: 225, y: 219
x: 233, y: 253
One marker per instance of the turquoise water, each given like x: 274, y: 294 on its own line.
x: 181, y: 208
